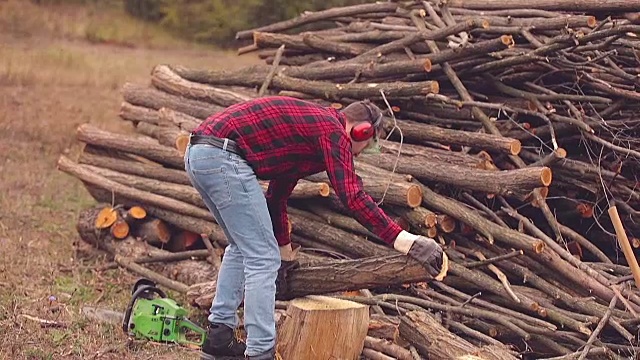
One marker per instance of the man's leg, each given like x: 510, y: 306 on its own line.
x: 243, y: 210
x: 201, y: 165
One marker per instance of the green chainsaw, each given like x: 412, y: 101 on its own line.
x: 159, y: 318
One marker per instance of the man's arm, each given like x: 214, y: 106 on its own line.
x: 348, y: 186
x: 277, y: 195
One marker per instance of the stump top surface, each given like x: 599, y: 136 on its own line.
x: 319, y: 302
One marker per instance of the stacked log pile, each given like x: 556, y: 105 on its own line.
x: 511, y: 139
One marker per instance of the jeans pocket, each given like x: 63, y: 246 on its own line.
x: 215, y: 183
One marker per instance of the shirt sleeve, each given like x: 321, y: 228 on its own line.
x: 277, y: 194
x: 348, y: 186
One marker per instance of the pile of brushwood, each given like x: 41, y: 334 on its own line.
x: 511, y: 138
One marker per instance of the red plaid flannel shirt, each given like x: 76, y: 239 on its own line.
x: 285, y: 139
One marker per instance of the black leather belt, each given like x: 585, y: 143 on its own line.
x: 224, y: 144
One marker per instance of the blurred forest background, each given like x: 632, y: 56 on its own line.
x: 213, y: 21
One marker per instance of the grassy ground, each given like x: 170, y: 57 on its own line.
x: 60, y: 67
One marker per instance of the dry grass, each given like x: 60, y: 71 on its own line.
x: 54, y: 75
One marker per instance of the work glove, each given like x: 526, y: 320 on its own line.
x: 288, y: 261
x: 426, y: 251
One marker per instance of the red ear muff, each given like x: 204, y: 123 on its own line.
x: 362, y: 131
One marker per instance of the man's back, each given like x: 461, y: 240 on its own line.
x: 278, y: 135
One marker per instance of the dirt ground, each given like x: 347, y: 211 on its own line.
x: 60, y: 67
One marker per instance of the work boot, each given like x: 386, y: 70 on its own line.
x: 221, y: 344
x: 269, y: 355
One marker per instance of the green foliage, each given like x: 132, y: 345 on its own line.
x: 217, y: 21
x: 151, y: 10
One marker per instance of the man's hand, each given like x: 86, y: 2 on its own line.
x: 426, y: 251
x: 288, y: 261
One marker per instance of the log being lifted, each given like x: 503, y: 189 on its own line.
x: 434, y: 341
x: 321, y: 278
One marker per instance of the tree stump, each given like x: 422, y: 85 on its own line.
x: 321, y: 327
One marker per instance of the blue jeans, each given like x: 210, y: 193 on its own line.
x: 231, y: 191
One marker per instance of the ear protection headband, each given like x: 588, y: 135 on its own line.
x: 365, y: 130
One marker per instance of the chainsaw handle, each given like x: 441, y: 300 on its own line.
x: 186, y: 324
x: 136, y: 294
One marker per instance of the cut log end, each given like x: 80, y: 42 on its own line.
x: 182, y: 141
x: 432, y: 232
x: 120, y: 229
x: 414, y: 196
x: 546, y: 176
x: 325, y: 189
x: 507, y: 40
x: 561, y: 153
x: 446, y: 223
x: 515, y: 147
x: 427, y: 66
x: 538, y: 247
x: 585, y: 210
x: 137, y: 212
x: 153, y: 231
x: 435, y: 87
x: 592, y: 22
x: 106, y: 217
x: 430, y: 220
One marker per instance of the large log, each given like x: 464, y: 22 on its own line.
x: 318, y: 16
x: 135, y: 144
x: 163, y: 78
x: 183, y: 121
x: 169, y: 136
x: 321, y: 327
x: 434, y: 341
x: 395, y: 192
x: 172, y: 182
x: 349, y: 244
x: 419, y: 65
x: 571, y: 5
x: 416, y: 132
x: 330, y: 276
x: 320, y: 89
x: 92, y: 155
x: 508, y: 182
x: 433, y: 154
x: 149, y: 97
x: 138, y: 114
x: 307, y: 43
x: 87, y: 176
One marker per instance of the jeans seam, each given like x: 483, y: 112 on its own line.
x: 237, y: 170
